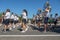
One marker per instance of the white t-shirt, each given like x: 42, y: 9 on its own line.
x: 12, y: 17
x: 48, y: 14
x: 16, y: 18
x: 37, y: 17
x: 7, y: 15
x: 24, y: 15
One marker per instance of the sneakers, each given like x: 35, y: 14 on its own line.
x: 23, y: 31
x: 4, y: 31
x: 26, y: 29
x: 13, y: 26
x: 10, y: 28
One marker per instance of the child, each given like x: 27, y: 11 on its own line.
x: 7, y: 19
x: 15, y: 20
x: 46, y: 19
x: 50, y: 20
x: 55, y: 19
x: 38, y: 18
x: 11, y: 21
x: 3, y: 20
x: 38, y: 21
x: 24, y: 20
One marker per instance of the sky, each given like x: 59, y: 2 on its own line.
x: 31, y: 6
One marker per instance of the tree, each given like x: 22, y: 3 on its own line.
x: 0, y: 14
x: 0, y: 17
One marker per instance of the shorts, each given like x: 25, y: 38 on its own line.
x: 55, y: 21
x: 11, y: 20
x: 37, y: 21
x: 15, y: 21
x: 24, y: 21
x: 7, y: 21
x: 45, y: 20
x: 3, y: 22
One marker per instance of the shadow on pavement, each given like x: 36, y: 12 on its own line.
x: 36, y: 28
x: 55, y: 29
x: 51, y: 29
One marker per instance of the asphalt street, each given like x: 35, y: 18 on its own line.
x: 32, y: 30
x: 30, y: 38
